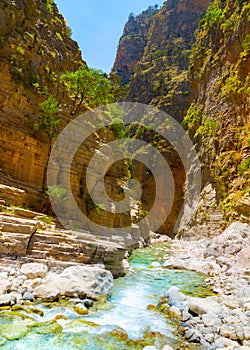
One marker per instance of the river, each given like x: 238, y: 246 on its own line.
x: 127, y: 320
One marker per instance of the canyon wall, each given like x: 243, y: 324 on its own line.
x: 195, y: 66
x: 36, y: 48
x: 218, y: 119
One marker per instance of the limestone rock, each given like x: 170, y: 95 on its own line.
x: 6, y: 299
x: 34, y: 270
x: 81, y: 309
x: 230, y: 242
x: 13, y: 332
x: 76, y: 281
x: 225, y: 342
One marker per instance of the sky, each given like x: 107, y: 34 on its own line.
x: 97, y: 26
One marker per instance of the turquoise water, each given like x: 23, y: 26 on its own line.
x: 128, y: 320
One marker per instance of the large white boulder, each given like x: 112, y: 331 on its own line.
x: 76, y: 281
x: 34, y: 270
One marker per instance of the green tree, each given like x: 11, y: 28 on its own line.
x: 88, y: 88
x: 49, y: 120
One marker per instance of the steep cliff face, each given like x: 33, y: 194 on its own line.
x: 219, y: 119
x: 35, y: 48
x: 132, y: 43
x: 161, y: 71
x: 209, y: 86
x: 161, y: 79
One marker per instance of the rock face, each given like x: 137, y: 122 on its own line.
x: 208, y: 86
x: 161, y: 71
x: 218, y: 119
x: 35, y: 48
x: 160, y: 78
x: 21, y: 239
x: 132, y: 43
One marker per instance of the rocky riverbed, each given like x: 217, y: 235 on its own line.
x: 215, y: 322
x: 223, y: 320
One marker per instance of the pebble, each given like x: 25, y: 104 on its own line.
x: 81, y: 309
x: 28, y: 296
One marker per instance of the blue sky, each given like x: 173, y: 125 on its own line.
x: 97, y: 26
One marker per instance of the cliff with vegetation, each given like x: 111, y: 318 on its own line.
x: 35, y: 47
x: 133, y: 42
x: 160, y: 78
x: 218, y: 119
x: 160, y: 73
x: 195, y: 66
x: 44, y: 85
x: 40, y: 69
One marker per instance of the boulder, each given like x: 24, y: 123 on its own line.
x: 227, y: 331
x: 34, y: 270
x: 201, y: 306
x: 6, y: 299
x: 76, y: 281
x: 13, y: 331
x: 225, y: 342
x: 176, y: 298
x: 155, y: 264
x: 27, y: 296
x: 5, y: 284
x: 197, y: 306
x: 167, y: 347
x: 229, y: 242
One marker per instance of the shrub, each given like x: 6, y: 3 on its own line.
x: 246, y: 44
x: 57, y: 191
x: 48, y: 119
x: 193, y: 118
x: 59, y: 36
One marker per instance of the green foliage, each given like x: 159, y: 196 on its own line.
x: 214, y: 16
x: 193, y: 118
x: 31, y: 36
x: 57, y: 191
x: 246, y: 44
x: 227, y: 25
x: 59, y: 36
x: 58, y: 20
x: 119, y: 91
x: 20, y: 50
x: 207, y: 128
x: 68, y: 31
x: 47, y: 69
x: 49, y: 5
x: 48, y: 119
x: 89, y: 88
x: 244, y: 166
x: 46, y: 219
x: 53, y: 54
x: 142, y: 213
x: 232, y: 84
x: 118, y: 128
